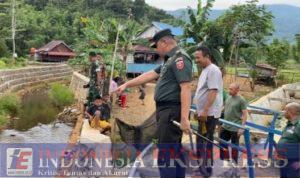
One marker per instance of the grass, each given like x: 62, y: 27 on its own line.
x: 3, y: 120
x: 8, y: 63
x: 290, y: 74
x: 61, y: 95
x: 9, y: 105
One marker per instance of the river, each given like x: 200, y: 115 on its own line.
x: 34, y: 122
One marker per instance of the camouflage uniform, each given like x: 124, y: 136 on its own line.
x: 93, y: 86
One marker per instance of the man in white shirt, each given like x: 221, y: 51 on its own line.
x: 209, y: 102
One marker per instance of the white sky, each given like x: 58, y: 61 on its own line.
x: 218, y: 4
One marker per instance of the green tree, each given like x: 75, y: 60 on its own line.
x: 100, y: 35
x: 3, y: 48
x: 245, y: 25
x: 139, y: 9
x: 277, y: 53
x: 204, y: 32
x: 296, y: 49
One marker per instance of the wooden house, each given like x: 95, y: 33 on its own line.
x: 55, y: 51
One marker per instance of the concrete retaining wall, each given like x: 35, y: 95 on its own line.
x: 77, y: 82
x: 15, y: 79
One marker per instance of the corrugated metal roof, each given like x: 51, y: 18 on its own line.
x: 177, y: 31
x: 265, y: 66
x: 51, y: 45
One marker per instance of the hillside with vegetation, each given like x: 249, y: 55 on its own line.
x: 286, y: 19
x: 38, y: 22
x: 239, y: 36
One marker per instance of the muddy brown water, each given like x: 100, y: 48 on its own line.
x: 34, y: 122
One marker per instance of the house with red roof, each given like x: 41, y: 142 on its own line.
x: 55, y: 51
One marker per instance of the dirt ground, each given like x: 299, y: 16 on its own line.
x: 246, y: 92
x: 135, y: 113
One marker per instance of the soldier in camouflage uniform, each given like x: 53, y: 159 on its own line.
x: 95, y: 78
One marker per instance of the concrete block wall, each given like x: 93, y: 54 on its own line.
x: 15, y: 79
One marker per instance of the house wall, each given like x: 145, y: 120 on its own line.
x: 46, y: 58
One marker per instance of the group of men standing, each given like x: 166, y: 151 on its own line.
x: 173, y: 101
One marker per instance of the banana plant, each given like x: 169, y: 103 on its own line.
x: 204, y: 32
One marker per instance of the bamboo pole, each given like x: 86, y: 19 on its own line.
x: 13, y: 28
x: 114, y: 55
x: 113, y: 133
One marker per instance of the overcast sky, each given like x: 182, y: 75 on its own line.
x: 218, y: 4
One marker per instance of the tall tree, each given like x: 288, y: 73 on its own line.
x: 296, y: 49
x: 139, y: 10
x: 277, y: 53
x: 204, y: 32
x: 245, y: 25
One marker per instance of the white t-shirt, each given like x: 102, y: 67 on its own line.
x: 210, y: 78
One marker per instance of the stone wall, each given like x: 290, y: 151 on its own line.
x: 15, y: 79
x: 77, y: 82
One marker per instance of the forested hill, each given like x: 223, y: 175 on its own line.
x: 40, y: 21
x: 286, y: 19
x: 138, y: 9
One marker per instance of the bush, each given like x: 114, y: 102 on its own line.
x: 2, y: 64
x: 6, y: 60
x: 3, y: 119
x: 10, y: 63
x: 253, y: 74
x: 281, y: 76
x: 61, y: 95
x: 22, y: 62
x: 3, y: 48
x: 10, y: 104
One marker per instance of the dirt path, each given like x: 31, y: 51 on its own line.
x: 135, y: 113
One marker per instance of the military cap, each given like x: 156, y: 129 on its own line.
x: 92, y: 54
x: 159, y: 35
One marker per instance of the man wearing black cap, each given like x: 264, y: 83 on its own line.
x: 173, y: 99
